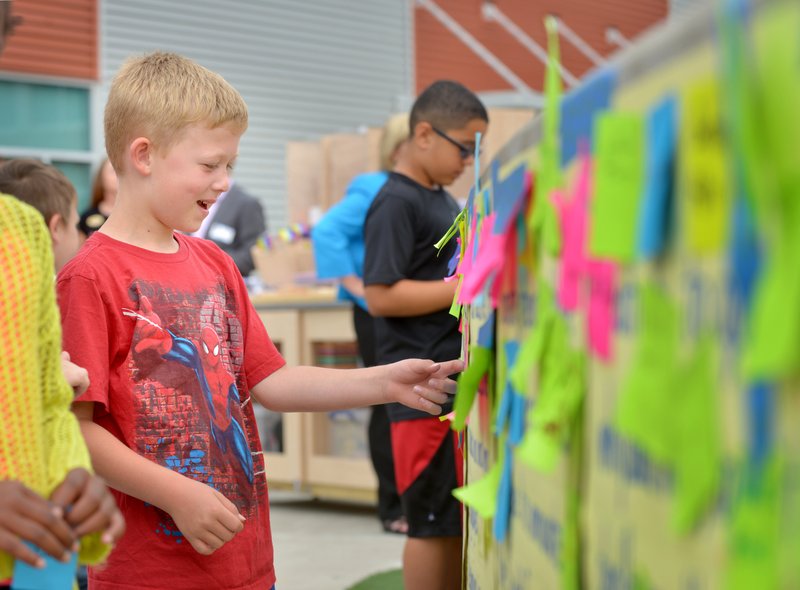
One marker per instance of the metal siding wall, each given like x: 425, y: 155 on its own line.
x: 304, y: 68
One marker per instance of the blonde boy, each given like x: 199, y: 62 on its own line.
x: 175, y: 351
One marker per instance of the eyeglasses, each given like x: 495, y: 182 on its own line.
x: 464, y: 151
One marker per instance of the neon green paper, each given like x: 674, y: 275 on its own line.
x: 481, y: 495
x: 480, y: 360
x: 753, y: 533
x: 646, y: 394
x: 619, y: 181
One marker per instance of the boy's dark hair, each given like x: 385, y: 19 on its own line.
x: 40, y: 185
x: 447, y: 105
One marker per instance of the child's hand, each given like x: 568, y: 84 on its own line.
x: 77, y: 377
x: 206, y: 518
x: 421, y: 384
x: 89, y: 506
x: 26, y: 516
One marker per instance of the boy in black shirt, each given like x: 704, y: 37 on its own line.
x: 405, y: 292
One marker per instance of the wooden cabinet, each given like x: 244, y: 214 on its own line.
x: 323, y: 453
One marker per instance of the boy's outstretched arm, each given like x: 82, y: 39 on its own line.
x: 407, y: 297
x: 206, y: 518
x: 416, y: 383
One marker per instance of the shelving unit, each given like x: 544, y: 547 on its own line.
x: 323, y: 453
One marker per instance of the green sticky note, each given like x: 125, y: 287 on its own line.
x: 619, y: 181
x: 538, y: 450
x: 703, y: 169
x: 777, y: 47
x: 646, y: 394
x: 552, y: 418
x: 530, y: 353
x: 753, y: 530
x: 549, y: 177
x: 455, y: 307
x: 481, y: 495
x: 698, y: 446
x: 480, y: 359
x: 772, y: 342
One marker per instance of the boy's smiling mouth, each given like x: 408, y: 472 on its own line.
x: 205, y: 205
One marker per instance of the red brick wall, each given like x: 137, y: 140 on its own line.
x: 439, y: 54
x: 56, y: 37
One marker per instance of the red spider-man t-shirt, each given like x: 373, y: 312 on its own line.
x: 172, y: 345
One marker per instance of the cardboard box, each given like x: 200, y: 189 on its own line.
x: 284, y: 264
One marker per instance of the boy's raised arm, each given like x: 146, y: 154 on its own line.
x: 206, y: 518
x: 409, y: 298
x: 416, y: 383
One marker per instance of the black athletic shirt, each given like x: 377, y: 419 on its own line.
x: 403, y: 224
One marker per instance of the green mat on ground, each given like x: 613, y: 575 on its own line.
x: 391, y: 580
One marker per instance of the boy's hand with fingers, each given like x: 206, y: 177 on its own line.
x: 88, y: 506
x: 206, y: 518
x: 77, y: 377
x: 421, y: 384
x: 26, y: 516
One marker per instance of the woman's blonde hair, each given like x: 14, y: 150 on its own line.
x: 395, y: 132
x: 159, y: 94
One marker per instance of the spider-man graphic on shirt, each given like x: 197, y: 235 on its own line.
x: 216, y: 382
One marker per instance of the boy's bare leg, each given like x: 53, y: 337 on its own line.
x: 432, y: 563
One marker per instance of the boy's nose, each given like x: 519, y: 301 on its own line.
x: 223, y: 183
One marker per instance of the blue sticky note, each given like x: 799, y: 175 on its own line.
x: 504, y: 408
x: 579, y: 107
x: 744, y: 253
x: 654, y: 215
x: 502, y: 516
x: 509, y: 195
x: 55, y: 575
x: 761, y: 418
x: 516, y: 430
x: 486, y: 332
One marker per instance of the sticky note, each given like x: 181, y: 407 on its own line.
x: 580, y: 106
x: 509, y: 195
x: 618, y: 183
x: 702, y: 167
x: 655, y: 216
x: 573, y: 215
x: 646, y: 394
x: 602, y: 291
x: 502, y: 516
x: 481, y: 495
x: 55, y: 575
x: 479, y: 361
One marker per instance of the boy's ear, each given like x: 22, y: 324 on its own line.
x: 54, y: 225
x: 141, y: 154
x: 423, y: 134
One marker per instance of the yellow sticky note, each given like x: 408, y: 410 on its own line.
x: 705, y: 189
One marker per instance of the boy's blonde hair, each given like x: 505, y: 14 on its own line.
x: 395, y: 132
x: 42, y: 186
x: 159, y: 94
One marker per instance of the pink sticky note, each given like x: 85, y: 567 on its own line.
x: 487, y: 262
x: 602, y: 289
x: 573, y: 219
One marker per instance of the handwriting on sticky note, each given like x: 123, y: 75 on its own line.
x: 618, y: 182
x: 704, y: 182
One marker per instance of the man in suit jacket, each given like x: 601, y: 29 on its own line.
x: 234, y: 223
